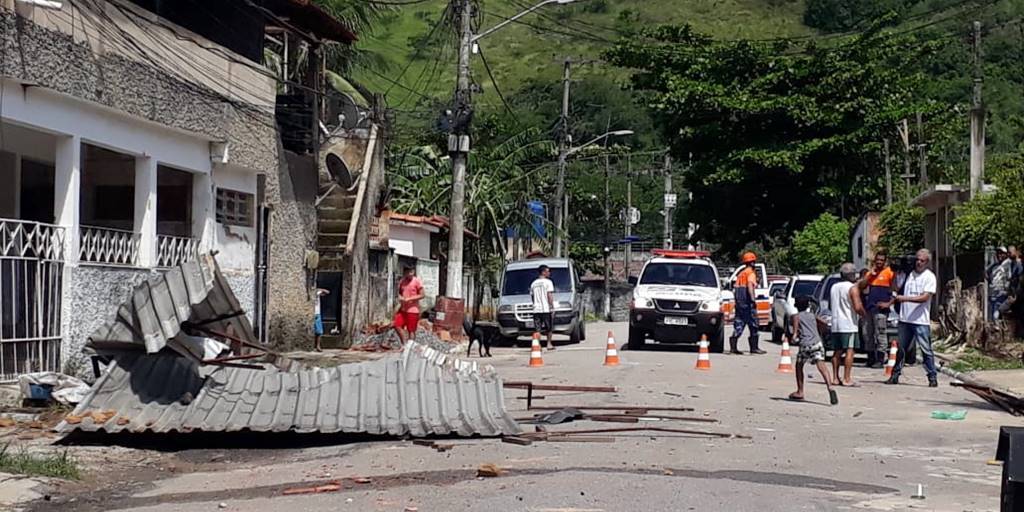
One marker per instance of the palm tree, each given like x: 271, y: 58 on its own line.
x: 502, y: 179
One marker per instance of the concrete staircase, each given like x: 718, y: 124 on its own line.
x: 334, y: 219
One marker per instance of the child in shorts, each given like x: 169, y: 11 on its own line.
x: 805, y: 331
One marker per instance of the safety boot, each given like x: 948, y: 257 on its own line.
x: 753, y: 346
x: 734, y: 345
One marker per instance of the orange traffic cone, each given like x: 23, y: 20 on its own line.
x: 890, y: 365
x: 611, y: 355
x: 703, y: 356
x: 786, y: 360
x: 535, y: 357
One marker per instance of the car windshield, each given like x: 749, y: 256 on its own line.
x: 517, y: 282
x: 679, y: 274
x: 802, y: 288
x: 777, y: 288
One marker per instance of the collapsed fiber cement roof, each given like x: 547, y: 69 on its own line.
x: 408, y: 394
x: 153, y: 317
x: 155, y: 383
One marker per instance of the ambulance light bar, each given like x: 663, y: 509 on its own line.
x: 669, y: 253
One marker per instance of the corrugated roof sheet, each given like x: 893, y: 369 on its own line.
x: 419, y: 393
x: 194, y: 292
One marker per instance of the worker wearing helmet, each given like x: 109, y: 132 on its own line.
x: 746, y: 307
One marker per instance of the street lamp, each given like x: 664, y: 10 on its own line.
x: 458, y: 140
x: 560, y: 204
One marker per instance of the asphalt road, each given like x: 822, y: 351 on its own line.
x: 868, y: 453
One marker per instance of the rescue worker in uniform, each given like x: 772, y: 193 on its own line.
x: 745, y: 305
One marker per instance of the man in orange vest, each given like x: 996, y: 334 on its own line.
x: 745, y: 305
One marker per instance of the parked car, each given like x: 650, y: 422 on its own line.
x: 821, y: 303
x: 784, y: 302
x: 515, y: 305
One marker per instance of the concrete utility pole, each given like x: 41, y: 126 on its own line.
x: 888, y: 172
x: 922, y: 155
x: 607, y: 309
x: 904, y: 132
x: 564, y: 140
x: 977, y: 120
x: 669, y: 205
x: 458, y: 147
x: 628, y: 217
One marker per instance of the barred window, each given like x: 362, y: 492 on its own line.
x: 234, y: 208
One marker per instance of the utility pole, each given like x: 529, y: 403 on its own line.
x: 904, y: 132
x: 458, y: 147
x: 888, y: 172
x: 977, y: 120
x: 628, y: 217
x: 922, y: 158
x: 561, y: 211
x: 606, y: 249
x: 669, y: 202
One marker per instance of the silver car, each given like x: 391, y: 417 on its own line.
x: 515, y: 304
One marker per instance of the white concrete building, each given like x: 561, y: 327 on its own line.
x: 127, y: 144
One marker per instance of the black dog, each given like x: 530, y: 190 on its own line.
x: 484, y: 335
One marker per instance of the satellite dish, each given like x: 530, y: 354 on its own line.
x: 339, y: 171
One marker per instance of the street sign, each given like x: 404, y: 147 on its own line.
x: 670, y: 200
x: 633, y: 214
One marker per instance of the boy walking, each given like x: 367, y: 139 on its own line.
x: 805, y: 331
x: 410, y: 292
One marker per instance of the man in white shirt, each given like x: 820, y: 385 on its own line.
x: 542, y: 290
x: 846, y: 306
x: 915, y: 317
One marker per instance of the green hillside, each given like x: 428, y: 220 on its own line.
x: 420, y: 64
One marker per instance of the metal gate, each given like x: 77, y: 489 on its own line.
x: 31, y: 278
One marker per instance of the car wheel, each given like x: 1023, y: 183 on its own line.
x: 636, y: 339
x: 583, y: 330
x: 777, y: 334
x: 509, y: 341
x: 717, y: 344
x: 574, y: 336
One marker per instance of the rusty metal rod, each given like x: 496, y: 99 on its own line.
x: 231, y: 358
x: 612, y: 408
x: 559, y: 387
x: 643, y: 429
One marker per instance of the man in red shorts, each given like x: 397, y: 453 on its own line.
x: 410, y: 291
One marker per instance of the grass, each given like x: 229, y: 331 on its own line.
x: 21, y: 462
x: 972, y: 360
x: 518, y: 52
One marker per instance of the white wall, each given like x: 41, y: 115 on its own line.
x: 406, y: 240
x: 236, y: 244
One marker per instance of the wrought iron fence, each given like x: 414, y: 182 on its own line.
x: 175, y: 250
x: 108, y: 246
x: 31, y: 274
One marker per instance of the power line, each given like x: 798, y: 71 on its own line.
x: 496, y: 88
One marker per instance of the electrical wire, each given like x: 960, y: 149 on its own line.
x: 496, y: 88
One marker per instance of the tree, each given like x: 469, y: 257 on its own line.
x: 842, y: 15
x: 821, y: 246
x: 902, y: 229
x: 779, y: 131
x: 994, y: 218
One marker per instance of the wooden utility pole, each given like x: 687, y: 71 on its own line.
x: 458, y: 147
x: 561, y: 211
x: 888, y: 172
x: 669, y: 202
x: 977, y: 120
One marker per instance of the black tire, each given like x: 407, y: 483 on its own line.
x: 583, y: 330
x: 509, y: 341
x: 717, y: 344
x: 574, y: 336
x: 776, y: 334
x: 636, y: 339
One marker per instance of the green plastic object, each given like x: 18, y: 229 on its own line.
x: 949, y: 415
